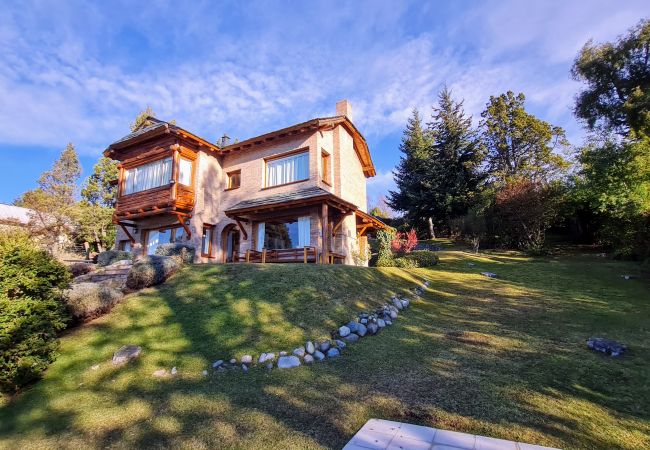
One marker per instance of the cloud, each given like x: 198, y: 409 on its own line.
x: 380, y: 184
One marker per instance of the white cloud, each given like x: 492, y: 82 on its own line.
x: 380, y: 184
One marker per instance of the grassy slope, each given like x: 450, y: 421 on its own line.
x: 502, y: 357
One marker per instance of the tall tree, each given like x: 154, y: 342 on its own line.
x: 99, y: 188
x: 54, y: 200
x: 617, y: 77
x: 141, y: 120
x: 456, y: 157
x: 411, y: 174
x: 519, y: 145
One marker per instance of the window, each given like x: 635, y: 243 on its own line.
x: 206, y: 240
x: 325, y: 167
x: 287, y: 170
x: 279, y: 235
x: 234, y: 179
x: 163, y: 236
x: 148, y: 176
x: 125, y: 245
x: 185, y: 172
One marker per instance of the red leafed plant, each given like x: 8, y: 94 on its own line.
x: 404, y: 242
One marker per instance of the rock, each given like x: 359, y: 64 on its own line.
x: 405, y: 302
x: 309, y: 346
x: 388, y: 322
x: 174, y: 371
x: 353, y: 326
x: 217, y: 364
x: 318, y: 355
x: 244, y: 368
x: 398, y: 304
x: 340, y: 344
x: 324, y: 346
x: 95, y: 367
x: 363, y: 320
x: 489, y: 274
x: 246, y: 359
x: 205, y: 373
x: 607, y: 346
x: 344, y: 331
x: 471, y: 264
x: 333, y: 353
x: 627, y: 277
x: 393, y: 315
x: 300, y: 351
x: 351, y: 338
x: 288, y: 362
x: 373, y: 328
x: 381, y: 323
x: 269, y: 365
x: 126, y: 354
x: 362, y: 330
x: 308, y: 359
x: 283, y: 353
x: 160, y: 373
x: 233, y: 361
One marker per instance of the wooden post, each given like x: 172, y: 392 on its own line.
x: 325, y: 233
x: 263, y: 255
x: 248, y: 256
x: 305, y: 255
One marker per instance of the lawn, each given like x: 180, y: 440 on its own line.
x: 501, y: 357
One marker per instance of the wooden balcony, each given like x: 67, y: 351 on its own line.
x: 173, y: 198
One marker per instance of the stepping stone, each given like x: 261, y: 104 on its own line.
x: 126, y: 353
x: 288, y: 362
x: 489, y: 274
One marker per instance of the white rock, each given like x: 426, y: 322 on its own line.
x: 205, y: 373
x: 319, y: 355
x: 308, y: 359
x: 174, y: 371
x: 288, y: 362
x: 160, y: 373
x: 217, y: 364
x: 300, y: 351
x: 344, y: 331
x: 246, y: 359
x: 233, y: 361
x: 310, y: 347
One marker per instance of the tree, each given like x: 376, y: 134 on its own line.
x: 518, y: 143
x: 141, y: 120
x: 53, y: 201
x: 99, y: 188
x: 456, y: 157
x: 617, y: 77
x: 411, y: 174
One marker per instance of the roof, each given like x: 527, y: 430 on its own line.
x: 11, y: 213
x: 159, y: 127
x: 288, y: 199
x: 371, y: 221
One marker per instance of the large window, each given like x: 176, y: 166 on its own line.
x: 148, y: 176
x: 287, y: 170
x: 279, y: 235
x: 185, y: 172
x: 206, y: 240
x: 166, y: 236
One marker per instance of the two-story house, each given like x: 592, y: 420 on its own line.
x: 295, y: 194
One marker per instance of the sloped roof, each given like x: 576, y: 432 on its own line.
x: 11, y: 213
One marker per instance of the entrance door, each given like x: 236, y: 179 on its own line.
x: 232, y: 244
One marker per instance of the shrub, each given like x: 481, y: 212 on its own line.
x: 423, y: 258
x: 31, y: 309
x: 151, y: 270
x: 404, y: 242
x: 112, y: 256
x: 184, y: 252
x: 404, y: 263
x: 81, y: 268
x: 384, y: 252
x: 89, y: 300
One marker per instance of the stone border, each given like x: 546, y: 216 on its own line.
x: 364, y: 325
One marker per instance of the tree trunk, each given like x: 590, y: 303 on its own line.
x: 432, y: 233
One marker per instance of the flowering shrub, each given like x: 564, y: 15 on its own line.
x: 404, y: 242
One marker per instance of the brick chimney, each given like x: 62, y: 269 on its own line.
x: 344, y: 108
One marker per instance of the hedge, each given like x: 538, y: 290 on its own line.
x: 89, y: 300
x: 183, y: 251
x: 152, y: 270
x: 112, y: 256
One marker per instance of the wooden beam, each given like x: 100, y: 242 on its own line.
x: 338, y: 224
x: 182, y: 222
x: 131, y: 238
x: 325, y: 233
x: 241, y: 228
x: 360, y: 233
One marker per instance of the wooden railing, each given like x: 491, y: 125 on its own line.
x: 288, y: 255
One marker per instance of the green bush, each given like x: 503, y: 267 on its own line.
x: 89, y: 300
x: 423, y: 258
x: 31, y: 310
x: 81, y: 268
x: 112, y: 256
x: 384, y: 252
x: 404, y: 263
x: 184, y: 252
x: 152, y: 270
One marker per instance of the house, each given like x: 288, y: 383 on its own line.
x: 292, y: 195
x: 14, y: 216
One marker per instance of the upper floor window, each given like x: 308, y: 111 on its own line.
x: 185, y: 171
x: 325, y: 167
x: 234, y: 179
x: 288, y: 169
x: 148, y: 176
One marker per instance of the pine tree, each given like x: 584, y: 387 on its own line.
x: 141, y: 119
x: 99, y: 188
x: 411, y: 174
x: 456, y: 157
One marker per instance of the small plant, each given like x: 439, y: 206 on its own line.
x: 152, y: 270
x: 89, y: 300
x: 183, y: 251
x: 360, y: 257
x: 404, y: 242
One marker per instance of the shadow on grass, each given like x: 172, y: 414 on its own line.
x: 530, y: 378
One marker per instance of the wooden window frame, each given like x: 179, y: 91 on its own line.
x: 211, y: 228
x: 228, y: 178
x: 326, y: 172
x: 176, y: 176
x: 286, y: 155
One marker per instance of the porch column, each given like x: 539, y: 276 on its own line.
x: 325, y: 233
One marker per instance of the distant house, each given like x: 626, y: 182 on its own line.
x: 11, y: 215
x: 292, y: 195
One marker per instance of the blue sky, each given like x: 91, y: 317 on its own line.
x: 79, y: 72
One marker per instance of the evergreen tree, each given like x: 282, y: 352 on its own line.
x: 412, y: 173
x: 456, y: 157
x: 99, y: 188
x: 141, y: 120
x: 519, y: 145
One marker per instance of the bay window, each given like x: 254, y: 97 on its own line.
x: 185, y: 171
x: 285, y: 234
x: 288, y: 169
x: 148, y: 176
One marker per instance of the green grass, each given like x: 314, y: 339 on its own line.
x: 501, y: 357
